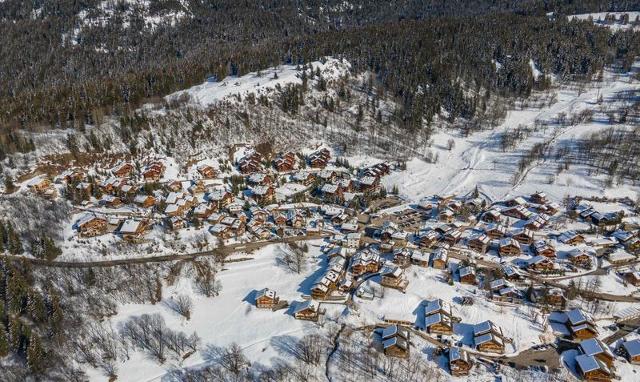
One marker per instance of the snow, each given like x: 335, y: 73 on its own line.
x: 599, y: 19
x: 263, y: 83
x: 227, y: 318
x: 479, y: 160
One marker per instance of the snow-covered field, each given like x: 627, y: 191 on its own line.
x: 478, y: 160
x: 258, y: 83
x: 228, y: 318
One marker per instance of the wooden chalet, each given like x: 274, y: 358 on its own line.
x: 632, y: 278
x: 488, y: 338
x: 369, y: 184
x: 39, y: 185
x: 221, y: 231
x: 307, y: 310
x: 592, y: 369
x: 460, y: 363
x: 402, y: 257
x: 467, y: 275
x: 479, y: 243
x: 305, y: 178
x: 264, y: 194
x: 539, y: 198
x: 440, y: 258
x: 580, y: 258
x: 509, y: 247
x: 446, y: 215
x: 267, y: 299
x: 543, y: 248
x: 523, y: 236
x: 429, y: 238
x: 517, y: 212
x: 517, y: 201
x: 439, y: 318
x: 144, y: 201
x: 491, y: 216
x: 206, y: 171
x: 574, y: 324
x: 395, y: 341
x: 631, y: 350
x: 595, y: 347
x: 250, y: 163
x: 394, y: 277
x: 319, y: 159
x: 452, y: 236
x: 571, y: 238
x: 153, y: 172
x: 540, y: 263
x: 91, y: 225
x: 285, y: 162
x: 122, y: 170
x: 495, y: 231
x: 132, y: 230
x: 332, y: 193
x: 365, y: 261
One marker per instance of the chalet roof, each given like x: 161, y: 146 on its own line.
x: 130, y: 226
x: 86, y: 218
x: 433, y: 319
x: 508, y: 271
x: 508, y: 290
x: 588, y: 363
x: 632, y: 347
x: 467, y: 271
x: 576, y: 316
x: 440, y: 254
x: 484, y: 327
x: 171, y: 208
x: 509, y: 241
x: 435, y: 306
x: 488, y: 337
x: 481, y: 237
x: 218, y: 228
x: 266, y: 292
x: 140, y: 198
x: 257, y: 177
x: 389, y: 331
x: 395, y: 341
x: 498, y: 284
x: 391, y: 271
x: 538, y: 260
x: 457, y: 354
x: 367, y: 180
x: 620, y: 255
x: 261, y: 190
x: 308, y: 304
x: 329, y: 188
x: 567, y: 236
x: 594, y: 346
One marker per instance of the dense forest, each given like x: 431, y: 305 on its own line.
x: 81, y: 60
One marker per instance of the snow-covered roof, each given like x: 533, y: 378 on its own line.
x: 632, y: 347
x: 576, y: 316
x: 130, y: 226
x: 593, y: 346
x: 589, y: 363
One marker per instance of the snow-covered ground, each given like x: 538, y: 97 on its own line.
x: 228, y: 318
x: 599, y: 19
x: 479, y: 159
x: 258, y: 83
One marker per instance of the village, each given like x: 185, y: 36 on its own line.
x: 379, y: 250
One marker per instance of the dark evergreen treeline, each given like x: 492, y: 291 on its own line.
x: 58, y: 75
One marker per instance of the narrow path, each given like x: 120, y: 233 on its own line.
x: 336, y: 342
x: 222, y: 252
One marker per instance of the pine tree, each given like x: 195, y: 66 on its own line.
x: 13, y: 240
x: 35, y: 354
x: 4, y: 342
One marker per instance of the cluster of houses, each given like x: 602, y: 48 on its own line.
x: 146, y: 198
